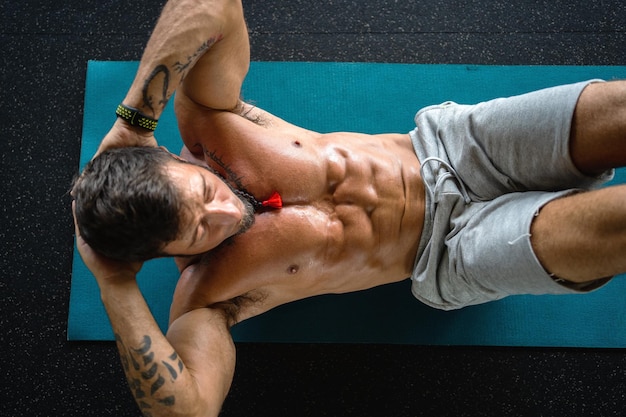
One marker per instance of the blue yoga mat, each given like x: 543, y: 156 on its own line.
x: 371, y: 98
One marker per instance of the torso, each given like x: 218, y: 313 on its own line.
x: 352, y: 217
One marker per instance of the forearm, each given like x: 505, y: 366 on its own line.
x: 187, y: 373
x: 184, y: 32
x: 156, y: 374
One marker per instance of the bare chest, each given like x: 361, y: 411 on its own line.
x: 352, y: 218
x: 302, y: 251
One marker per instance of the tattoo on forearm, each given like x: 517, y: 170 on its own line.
x: 162, y: 71
x: 147, y: 373
x: 148, y: 100
x: 181, y: 67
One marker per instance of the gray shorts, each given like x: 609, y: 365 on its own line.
x: 488, y: 170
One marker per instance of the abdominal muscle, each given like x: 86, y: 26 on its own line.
x: 359, y: 230
x: 377, y: 196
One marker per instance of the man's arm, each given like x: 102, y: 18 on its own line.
x: 186, y: 374
x: 184, y: 33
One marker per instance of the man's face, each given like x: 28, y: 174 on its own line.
x: 213, y: 211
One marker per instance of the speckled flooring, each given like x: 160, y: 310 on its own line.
x: 44, y: 47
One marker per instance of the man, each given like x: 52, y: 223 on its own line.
x: 477, y: 203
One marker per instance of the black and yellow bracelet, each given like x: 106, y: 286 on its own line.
x: 135, y: 117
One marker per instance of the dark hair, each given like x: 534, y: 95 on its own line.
x: 127, y: 208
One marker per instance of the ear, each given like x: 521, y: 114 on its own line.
x: 173, y: 155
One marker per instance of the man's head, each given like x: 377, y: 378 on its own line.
x: 138, y: 203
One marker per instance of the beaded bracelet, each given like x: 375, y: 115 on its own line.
x: 135, y: 117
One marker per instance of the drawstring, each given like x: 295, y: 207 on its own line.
x: 274, y: 201
x: 440, y: 179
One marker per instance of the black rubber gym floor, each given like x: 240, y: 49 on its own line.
x: 44, y: 48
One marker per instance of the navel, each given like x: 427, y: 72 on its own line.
x: 297, y: 144
x: 293, y: 269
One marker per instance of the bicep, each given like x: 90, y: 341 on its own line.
x: 202, y: 339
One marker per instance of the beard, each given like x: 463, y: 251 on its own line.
x: 247, y: 219
x: 248, y: 216
x: 249, y: 202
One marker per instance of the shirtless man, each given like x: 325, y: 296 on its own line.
x: 358, y: 210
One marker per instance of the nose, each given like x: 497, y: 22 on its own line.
x: 225, y: 213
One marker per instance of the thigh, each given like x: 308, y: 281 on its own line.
x: 492, y: 253
x: 486, y: 254
x: 582, y: 237
x: 513, y: 144
x: 598, y: 138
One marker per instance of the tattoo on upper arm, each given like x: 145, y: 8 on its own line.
x: 230, y: 174
x: 250, y: 112
x: 146, y: 374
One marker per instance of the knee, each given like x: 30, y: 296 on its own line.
x: 582, y: 237
x: 598, y: 131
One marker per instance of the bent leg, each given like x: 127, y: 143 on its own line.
x: 598, y: 135
x: 582, y: 237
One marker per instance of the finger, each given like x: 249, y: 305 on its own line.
x: 74, y: 217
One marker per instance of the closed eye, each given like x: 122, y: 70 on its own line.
x: 209, y: 190
x: 205, y: 189
x: 201, y: 232
x: 202, y: 227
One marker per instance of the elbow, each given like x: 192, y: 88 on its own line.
x: 191, y: 408
x: 179, y: 404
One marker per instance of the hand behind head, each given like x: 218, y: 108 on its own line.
x: 123, y: 134
x: 106, y: 270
